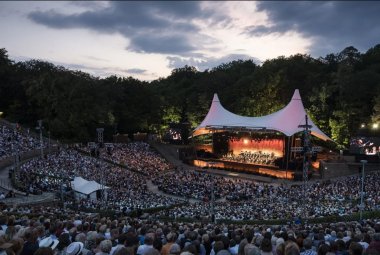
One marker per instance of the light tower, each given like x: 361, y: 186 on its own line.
x: 40, y: 127
x: 212, y: 199
x: 100, y: 168
x: 100, y: 135
x: 15, y: 144
x: 362, y: 189
x: 306, y: 159
x: 102, y: 186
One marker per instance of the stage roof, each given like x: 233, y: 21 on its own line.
x: 86, y: 187
x: 286, y: 120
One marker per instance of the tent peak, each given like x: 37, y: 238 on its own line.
x: 296, y: 95
x: 216, y: 98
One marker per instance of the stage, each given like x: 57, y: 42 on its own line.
x: 265, y: 170
x: 264, y: 145
x: 246, y: 152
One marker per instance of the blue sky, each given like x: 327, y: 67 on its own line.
x: 147, y: 40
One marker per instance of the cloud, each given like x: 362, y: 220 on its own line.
x: 207, y: 63
x: 88, y: 5
x: 106, y: 71
x: 136, y: 71
x: 97, y: 59
x: 258, y: 31
x: 152, y: 27
x: 103, y: 72
x: 168, y: 44
x: 95, y: 70
x: 332, y: 25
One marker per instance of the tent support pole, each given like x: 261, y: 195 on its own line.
x: 288, y: 153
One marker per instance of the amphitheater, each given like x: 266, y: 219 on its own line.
x: 148, y: 178
x: 139, y: 198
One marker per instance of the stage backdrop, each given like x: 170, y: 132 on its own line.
x: 265, y: 146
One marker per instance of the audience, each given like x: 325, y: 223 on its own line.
x: 237, y: 199
x: 133, y: 164
x: 14, y: 140
x: 128, y: 190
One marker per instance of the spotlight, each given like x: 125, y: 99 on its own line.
x: 362, y: 125
x: 375, y: 125
x: 245, y: 141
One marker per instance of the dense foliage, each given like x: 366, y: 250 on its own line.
x: 340, y: 91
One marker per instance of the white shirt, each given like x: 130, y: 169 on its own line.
x: 364, y: 245
x: 234, y: 250
x: 143, y: 248
x: 114, y: 248
x: 77, y: 222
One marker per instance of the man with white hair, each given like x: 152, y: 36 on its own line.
x: 105, y: 247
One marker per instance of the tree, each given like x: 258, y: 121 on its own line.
x: 340, y: 91
x: 376, y: 110
x: 320, y: 107
x: 339, y: 128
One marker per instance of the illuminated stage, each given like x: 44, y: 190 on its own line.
x: 269, y: 144
x: 245, y: 168
x: 263, y: 153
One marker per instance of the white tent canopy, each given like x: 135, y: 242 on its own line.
x: 287, y: 120
x: 86, y: 187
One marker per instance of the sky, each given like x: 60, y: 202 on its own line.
x: 147, y: 40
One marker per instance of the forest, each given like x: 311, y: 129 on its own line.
x: 340, y: 91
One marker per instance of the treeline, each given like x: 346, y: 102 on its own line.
x: 340, y: 91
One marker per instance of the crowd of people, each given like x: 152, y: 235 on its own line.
x: 189, y: 184
x: 256, y: 157
x: 128, y: 190
x: 137, y: 156
x: 52, y: 231
x: 13, y: 141
x: 237, y: 199
x: 199, y: 185
x: 251, y: 200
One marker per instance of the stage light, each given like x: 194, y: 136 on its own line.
x: 375, y: 125
x: 245, y: 141
x: 362, y: 125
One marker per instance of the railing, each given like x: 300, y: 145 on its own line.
x: 22, y: 201
x: 5, y: 184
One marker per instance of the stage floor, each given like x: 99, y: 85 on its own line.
x: 266, y: 170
